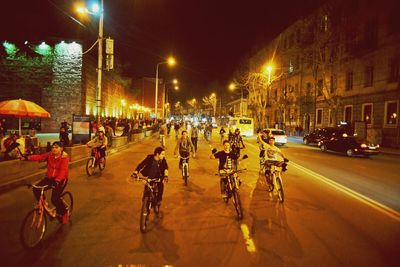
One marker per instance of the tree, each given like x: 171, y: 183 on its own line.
x: 211, y: 101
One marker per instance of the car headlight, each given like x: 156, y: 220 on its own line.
x: 364, y: 146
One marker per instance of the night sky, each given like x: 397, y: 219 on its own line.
x: 209, y: 38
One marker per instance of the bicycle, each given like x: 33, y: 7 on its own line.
x: 231, y: 186
x: 34, y: 224
x: 185, y: 169
x: 95, y: 160
x: 274, y: 181
x: 149, y: 200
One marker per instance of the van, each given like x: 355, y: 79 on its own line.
x: 245, y: 125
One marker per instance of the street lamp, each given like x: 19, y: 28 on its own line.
x: 171, y: 62
x: 176, y: 87
x: 96, y: 9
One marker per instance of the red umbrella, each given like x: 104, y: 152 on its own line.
x: 22, y: 109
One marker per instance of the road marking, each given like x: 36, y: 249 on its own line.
x: 246, y: 235
x: 360, y: 197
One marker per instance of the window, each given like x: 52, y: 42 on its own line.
x: 333, y: 84
x: 324, y: 23
x: 320, y: 87
x: 349, y: 81
x: 391, y: 113
x: 394, y: 70
x: 367, y: 113
x: 330, y: 117
x: 348, y: 114
x: 319, y: 116
x: 368, y: 76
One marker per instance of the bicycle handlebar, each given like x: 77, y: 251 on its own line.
x: 227, y: 171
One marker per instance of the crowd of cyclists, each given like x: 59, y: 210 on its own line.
x: 155, y: 165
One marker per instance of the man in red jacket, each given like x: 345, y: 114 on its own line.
x: 56, y: 177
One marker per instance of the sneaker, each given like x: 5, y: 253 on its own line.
x: 224, y: 196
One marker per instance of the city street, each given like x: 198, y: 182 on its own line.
x: 338, y: 211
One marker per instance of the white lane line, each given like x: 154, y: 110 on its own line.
x: 246, y: 235
x: 360, y: 197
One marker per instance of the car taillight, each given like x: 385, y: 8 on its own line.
x: 364, y: 146
x: 377, y: 145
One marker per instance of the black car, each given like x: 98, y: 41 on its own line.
x: 350, y: 145
x: 325, y: 133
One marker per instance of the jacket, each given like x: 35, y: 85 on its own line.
x: 180, y: 146
x: 57, y: 168
x: 145, y: 165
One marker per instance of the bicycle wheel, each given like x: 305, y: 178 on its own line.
x: 237, y: 204
x: 185, y: 174
x: 102, y: 163
x: 279, y: 189
x: 144, y: 214
x: 68, y: 201
x: 90, y: 166
x: 33, y: 228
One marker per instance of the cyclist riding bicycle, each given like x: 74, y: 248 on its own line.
x: 226, y: 158
x: 262, y: 140
x: 221, y: 133
x: 185, y: 146
x: 163, y: 132
x: 56, y: 177
x: 194, y: 136
x: 155, y: 166
x: 237, y: 142
x: 274, y: 157
x: 100, y: 143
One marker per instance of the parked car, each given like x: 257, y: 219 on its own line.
x: 280, y: 136
x: 321, y: 134
x: 350, y: 145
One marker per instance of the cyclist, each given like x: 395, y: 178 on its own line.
x: 274, y: 157
x: 100, y: 143
x: 222, y: 132
x: 56, y: 176
x: 237, y: 142
x: 155, y: 166
x: 185, y: 146
x: 226, y: 158
x: 162, y: 132
x: 194, y: 137
x: 262, y: 140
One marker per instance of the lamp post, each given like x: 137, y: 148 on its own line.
x: 98, y: 10
x: 171, y: 62
x: 176, y: 87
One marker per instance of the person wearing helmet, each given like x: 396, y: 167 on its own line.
x: 56, y: 177
x: 100, y: 143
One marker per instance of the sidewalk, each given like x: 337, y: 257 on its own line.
x: 383, y: 150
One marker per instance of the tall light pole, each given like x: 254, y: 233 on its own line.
x: 98, y: 10
x: 100, y: 61
x: 171, y: 62
x: 176, y: 87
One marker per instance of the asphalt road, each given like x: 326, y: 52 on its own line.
x: 338, y: 211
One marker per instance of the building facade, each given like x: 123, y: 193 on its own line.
x: 57, y: 76
x: 338, y: 65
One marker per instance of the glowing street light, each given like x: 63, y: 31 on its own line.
x: 98, y: 10
x: 171, y: 62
